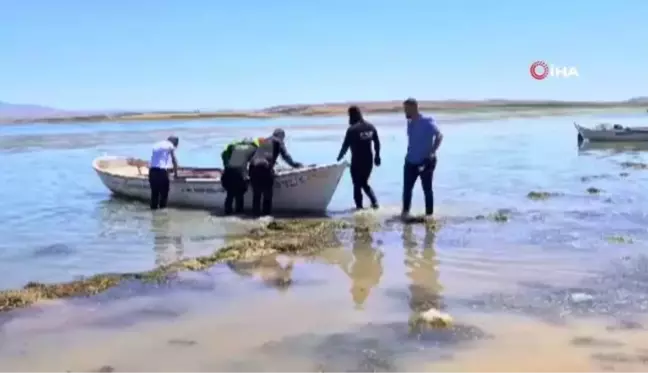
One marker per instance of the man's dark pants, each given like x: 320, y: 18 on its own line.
x: 262, y: 181
x: 411, y: 172
x: 159, y: 183
x: 360, y: 173
x: 233, y: 181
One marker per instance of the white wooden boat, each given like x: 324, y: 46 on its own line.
x: 613, y: 132
x: 308, y: 189
x: 615, y: 147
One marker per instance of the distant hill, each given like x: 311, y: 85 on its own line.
x: 8, y: 110
x: 28, y: 113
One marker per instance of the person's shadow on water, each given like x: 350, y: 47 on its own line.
x: 420, y: 263
x: 168, y: 246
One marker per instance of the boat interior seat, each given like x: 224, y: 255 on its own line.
x: 139, y: 163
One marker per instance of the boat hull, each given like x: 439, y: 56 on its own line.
x: 613, y: 135
x: 308, y: 189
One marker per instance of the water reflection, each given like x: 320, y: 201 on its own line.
x: 421, y: 270
x: 269, y: 269
x: 366, y: 268
x: 167, y: 245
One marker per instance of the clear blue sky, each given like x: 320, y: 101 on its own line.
x: 190, y: 54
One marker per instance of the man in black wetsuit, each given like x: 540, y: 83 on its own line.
x: 236, y: 157
x: 262, y: 170
x: 359, y: 137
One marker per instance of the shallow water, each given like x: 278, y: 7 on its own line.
x: 554, y: 270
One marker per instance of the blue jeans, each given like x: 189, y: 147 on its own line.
x: 411, y: 172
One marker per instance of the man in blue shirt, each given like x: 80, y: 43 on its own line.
x: 423, y: 141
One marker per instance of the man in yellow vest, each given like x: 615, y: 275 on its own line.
x: 236, y: 157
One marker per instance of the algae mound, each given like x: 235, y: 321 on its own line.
x: 593, y: 190
x: 634, y: 165
x: 432, y: 318
x: 540, y: 196
x: 619, y: 239
x: 499, y: 216
x: 282, y: 236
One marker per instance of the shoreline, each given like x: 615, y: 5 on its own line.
x: 505, y: 109
x: 291, y: 237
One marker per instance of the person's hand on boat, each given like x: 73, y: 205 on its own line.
x: 377, y: 161
x: 298, y: 165
x: 339, y: 158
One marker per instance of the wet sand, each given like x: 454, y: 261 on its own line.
x: 307, y: 330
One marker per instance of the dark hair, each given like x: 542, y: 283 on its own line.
x: 173, y: 140
x: 355, y: 115
x: 410, y: 102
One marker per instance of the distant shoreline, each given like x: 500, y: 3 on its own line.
x: 507, y: 108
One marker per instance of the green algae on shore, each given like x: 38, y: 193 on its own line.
x: 499, y: 216
x: 593, y: 190
x: 595, y: 177
x: 290, y: 236
x: 541, y: 196
x: 620, y: 239
x: 634, y: 165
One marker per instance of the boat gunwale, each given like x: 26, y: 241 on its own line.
x: 106, y: 171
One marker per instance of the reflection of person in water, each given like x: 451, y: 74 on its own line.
x: 421, y: 269
x: 366, y: 269
x: 268, y: 268
x: 168, y: 247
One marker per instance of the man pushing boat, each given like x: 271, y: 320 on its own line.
x: 236, y: 158
x: 262, y: 174
x: 162, y: 160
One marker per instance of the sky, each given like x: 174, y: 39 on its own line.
x: 192, y: 54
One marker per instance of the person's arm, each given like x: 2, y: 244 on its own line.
x: 376, y: 145
x: 438, y: 137
x: 175, y: 163
x: 345, y: 145
x: 283, y: 152
x: 226, y: 154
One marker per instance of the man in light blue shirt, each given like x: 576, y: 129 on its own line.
x: 423, y: 141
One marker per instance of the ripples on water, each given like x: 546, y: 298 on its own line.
x: 552, y: 269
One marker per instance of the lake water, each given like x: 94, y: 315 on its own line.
x: 563, y: 285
